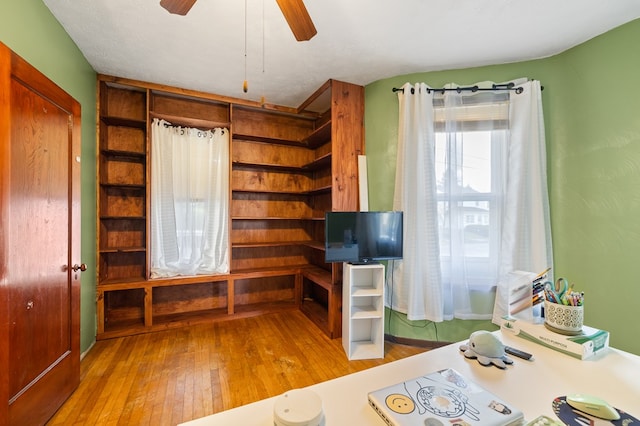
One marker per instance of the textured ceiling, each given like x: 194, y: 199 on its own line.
x: 359, y: 41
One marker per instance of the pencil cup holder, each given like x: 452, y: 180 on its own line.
x: 563, y: 319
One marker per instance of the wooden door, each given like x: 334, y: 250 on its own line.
x: 39, y: 243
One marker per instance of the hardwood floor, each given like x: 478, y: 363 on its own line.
x: 173, y: 376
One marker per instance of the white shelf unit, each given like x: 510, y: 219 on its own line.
x: 363, y: 311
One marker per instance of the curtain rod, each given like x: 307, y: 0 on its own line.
x: 506, y: 86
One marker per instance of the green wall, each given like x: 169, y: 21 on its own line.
x: 595, y: 186
x: 591, y: 102
x: 29, y: 29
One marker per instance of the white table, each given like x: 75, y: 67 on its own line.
x: 613, y: 375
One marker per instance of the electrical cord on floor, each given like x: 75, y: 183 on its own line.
x: 400, y: 318
x: 413, y: 324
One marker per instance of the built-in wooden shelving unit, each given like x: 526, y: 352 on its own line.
x: 288, y: 167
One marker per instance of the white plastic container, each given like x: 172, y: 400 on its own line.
x: 298, y: 407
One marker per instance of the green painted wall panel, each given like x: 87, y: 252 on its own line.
x: 596, y: 186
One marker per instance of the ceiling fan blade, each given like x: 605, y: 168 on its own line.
x: 298, y: 19
x: 178, y: 7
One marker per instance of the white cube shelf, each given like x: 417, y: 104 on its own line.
x: 363, y: 311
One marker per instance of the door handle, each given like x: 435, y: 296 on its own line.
x: 82, y: 267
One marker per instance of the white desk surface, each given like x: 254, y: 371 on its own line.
x: 612, y: 375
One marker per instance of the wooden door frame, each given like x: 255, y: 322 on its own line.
x: 5, y: 171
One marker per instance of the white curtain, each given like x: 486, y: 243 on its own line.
x: 463, y: 230
x: 526, y: 237
x: 417, y: 284
x: 189, y: 200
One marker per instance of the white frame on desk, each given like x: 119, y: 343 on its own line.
x: 613, y: 375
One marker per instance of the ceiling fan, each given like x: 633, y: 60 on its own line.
x: 294, y: 12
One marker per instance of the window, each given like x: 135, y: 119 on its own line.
x: 471, y: 180
x: 189, y: 201
x: 470, y: 138
x: 467, y: 201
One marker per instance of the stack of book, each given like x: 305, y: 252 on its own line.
x: 585, y: 345
x: 529, y: 294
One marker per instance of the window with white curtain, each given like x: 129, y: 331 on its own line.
x: 471, y: 181
x: 470, y: 138
x: 189, y: 200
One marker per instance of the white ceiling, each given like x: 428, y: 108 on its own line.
x: 359, y: 41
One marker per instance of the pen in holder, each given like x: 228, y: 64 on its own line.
x: 563, y: 309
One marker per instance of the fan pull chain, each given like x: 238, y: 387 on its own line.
x: 263, y: 55
x: 245, y: 85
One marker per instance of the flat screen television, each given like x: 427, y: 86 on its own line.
x: 363, y: 237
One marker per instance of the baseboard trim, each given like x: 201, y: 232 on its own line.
x: 83, y: 354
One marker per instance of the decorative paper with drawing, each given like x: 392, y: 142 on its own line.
x: 442, y: 398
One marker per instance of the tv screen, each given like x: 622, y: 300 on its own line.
x: 361, y: 237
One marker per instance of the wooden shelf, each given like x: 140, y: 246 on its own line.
x: 270, y: 218
x: 316, y: 191
x: 123, y: 250
x: 195, y: 279
x: 316, y: 245
x: 320, y: 276
x: 112, y: 153
x: 320, y: 136
x: 267, y: 272
x: 255, y: 309
x: 124, y: 122
x: 283, y: 164
x: 122, y: 218
x: 124, y: 186
x: 320, y: 190
x: 273, y: 167
x: 121, y: 328
x: 270, y: 244
x: 266, y: 191
x: 130, y: 283
x: 319, y: 163
x: 118, y: 266
x: 116, y: 327
x: 122, y: 284
x: 269, y: 140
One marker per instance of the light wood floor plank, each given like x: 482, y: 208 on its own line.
x: 172, y: 376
